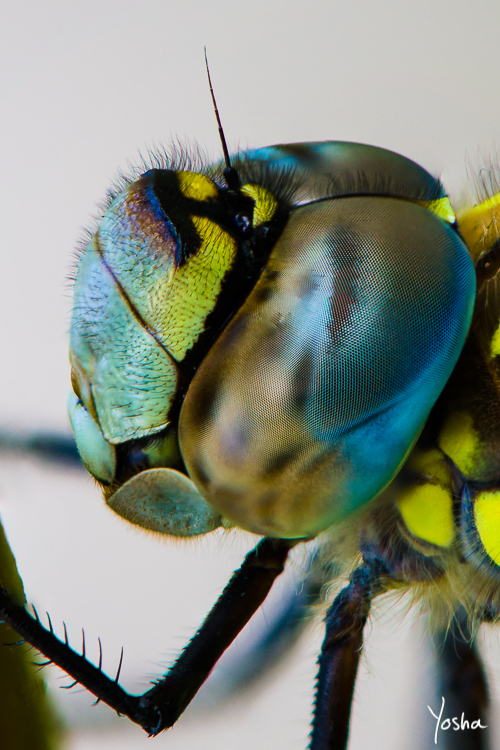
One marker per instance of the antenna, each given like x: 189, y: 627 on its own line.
x: 230, y: 173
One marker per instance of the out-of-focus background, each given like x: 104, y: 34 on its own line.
x: 84, y: 87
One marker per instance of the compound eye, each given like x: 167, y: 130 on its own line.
x: 480, y: 523
x: 98, y: 456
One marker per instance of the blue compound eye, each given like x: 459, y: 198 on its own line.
x: 313, y: 395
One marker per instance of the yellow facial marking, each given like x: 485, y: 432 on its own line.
x: 427, y: 512
x: 442, y: 208
x: 480, y: 225
x: 193, y: 288
x: 461, y: 442
x: 487, y: 516
x: 265, y: 203
x: 197, y: 186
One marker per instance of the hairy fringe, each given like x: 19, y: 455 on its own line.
x: 462, y: 585
x: 484, y: 177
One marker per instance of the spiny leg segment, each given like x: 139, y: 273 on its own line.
x: 340, y: 654
x: 160, y: 707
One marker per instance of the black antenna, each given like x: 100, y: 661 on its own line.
x: 230, y: 173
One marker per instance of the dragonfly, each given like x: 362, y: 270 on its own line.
x: 303, y: 343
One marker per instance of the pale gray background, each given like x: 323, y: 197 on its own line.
x: 84, y: 87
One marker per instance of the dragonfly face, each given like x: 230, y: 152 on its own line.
x: 299, y: 352
x: 281, y: 353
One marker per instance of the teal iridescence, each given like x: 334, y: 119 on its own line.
x: 97, y: 455
x: 334, y: 168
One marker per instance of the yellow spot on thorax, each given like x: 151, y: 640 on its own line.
x: 197, y: 186
x: 427, y: 511
x: 487, y: 517
x: 461, y: 442
x: 480, y: 225
x: 427, y: 508
x: 265, y: 203
x: 495, y: 344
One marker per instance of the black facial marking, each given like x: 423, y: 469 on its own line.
x: 164, y: 187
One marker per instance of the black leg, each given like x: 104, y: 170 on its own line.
x: 339, y: 658
x: 243, y: 595
x: 462, y: 683
x: 249, y: 661
x: 161, y: 706
x: 49, y: 446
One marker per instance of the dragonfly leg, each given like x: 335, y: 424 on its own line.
x: 47, y: 446
x: 462, y: 683
x: 242, y: 596
x: 254, y: 656
x: 161, y: 706
x: 339, y: 658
